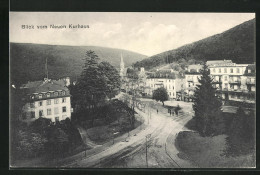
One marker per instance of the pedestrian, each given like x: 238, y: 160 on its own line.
x: 157, y: 111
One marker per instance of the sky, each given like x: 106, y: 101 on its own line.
x: 145, y: 33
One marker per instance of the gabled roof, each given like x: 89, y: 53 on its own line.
x: 44, y: 86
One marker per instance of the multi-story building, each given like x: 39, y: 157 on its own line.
x: 49, y: 99
x: 192, y: 76
x: 164, y: 79
x: 234, y: 82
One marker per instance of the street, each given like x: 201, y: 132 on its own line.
x: 161, y: 151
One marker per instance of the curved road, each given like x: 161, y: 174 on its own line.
x: 161, y: 153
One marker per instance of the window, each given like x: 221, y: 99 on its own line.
x: 32, y: 105
x: 225, y: 78
x: 56, y: 94
x: 238, y: 70
x: 40, y: 113
x: 172, y: 87
x: 225, y: 70
x: 64, y: 109
x: 40, y: 96
x: 226, y: 85
x: 56, y: 110
x: 231, y: 70
x: 48, y: 102
x: 48, y: 95
x: 56, y: 101
x: 170, y: 93
x: 40, y: 103
x: 173, y: 94
x: 214, y: 70
x: 219, y: 70
x: 32, y: 114
x: 232, y: 96
x: 249, y: 70
x: 32, y: 97
x: 63, y: 100
x: 48, y: 111
x: 63, y: 93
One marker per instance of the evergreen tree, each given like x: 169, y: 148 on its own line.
x: 112, y: 78
x: 160, y: 94
x: 207, y: 106
x: 92, y: 84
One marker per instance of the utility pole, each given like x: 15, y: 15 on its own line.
x: 147, y: 138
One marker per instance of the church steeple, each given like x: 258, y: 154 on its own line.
x: 122, y: 66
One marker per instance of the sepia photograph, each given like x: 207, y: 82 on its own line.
x: 132, y: 90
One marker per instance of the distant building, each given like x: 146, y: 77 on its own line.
x: 166, y: 79
x: 192, y: 76
x: 49, y: 99
x: 234, y: 82
x: 122, y: 71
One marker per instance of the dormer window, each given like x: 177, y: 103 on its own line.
x: 63, y: 92
x: 56, y: 94
x: 40, y: 96
x: 32, y: 97
x: 48, y: 95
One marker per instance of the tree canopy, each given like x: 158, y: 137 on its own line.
x: 207, y: 105
x: 160, y: 94
x: 97, y: 81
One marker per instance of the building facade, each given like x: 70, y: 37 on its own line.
x: 234, y: 82
x: 166, y: 80
x: 49, y: 99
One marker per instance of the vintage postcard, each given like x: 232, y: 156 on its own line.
x: 132, y: 90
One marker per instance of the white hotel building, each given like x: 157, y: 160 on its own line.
x: 235, y: 82
x: 166, y: 80
x: 49, y: 99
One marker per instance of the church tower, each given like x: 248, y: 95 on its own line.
x: 122, y: 67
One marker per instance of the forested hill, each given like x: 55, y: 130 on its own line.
x: 236, y: 44
x: 27, y: 61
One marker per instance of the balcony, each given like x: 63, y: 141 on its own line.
x: 236, y: 90
x: 217, y: 82
x: 235, y: 81
x: 190, y: 79
x: 225, y: 89
x: 250, y: 81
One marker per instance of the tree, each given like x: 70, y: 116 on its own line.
x: 241, y: 135
x: 28, y: 144
x: 58, y: 141
x: 91, y: 87
x: 112, y: 78
x: 160, y: 94
x: 207, y: 105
